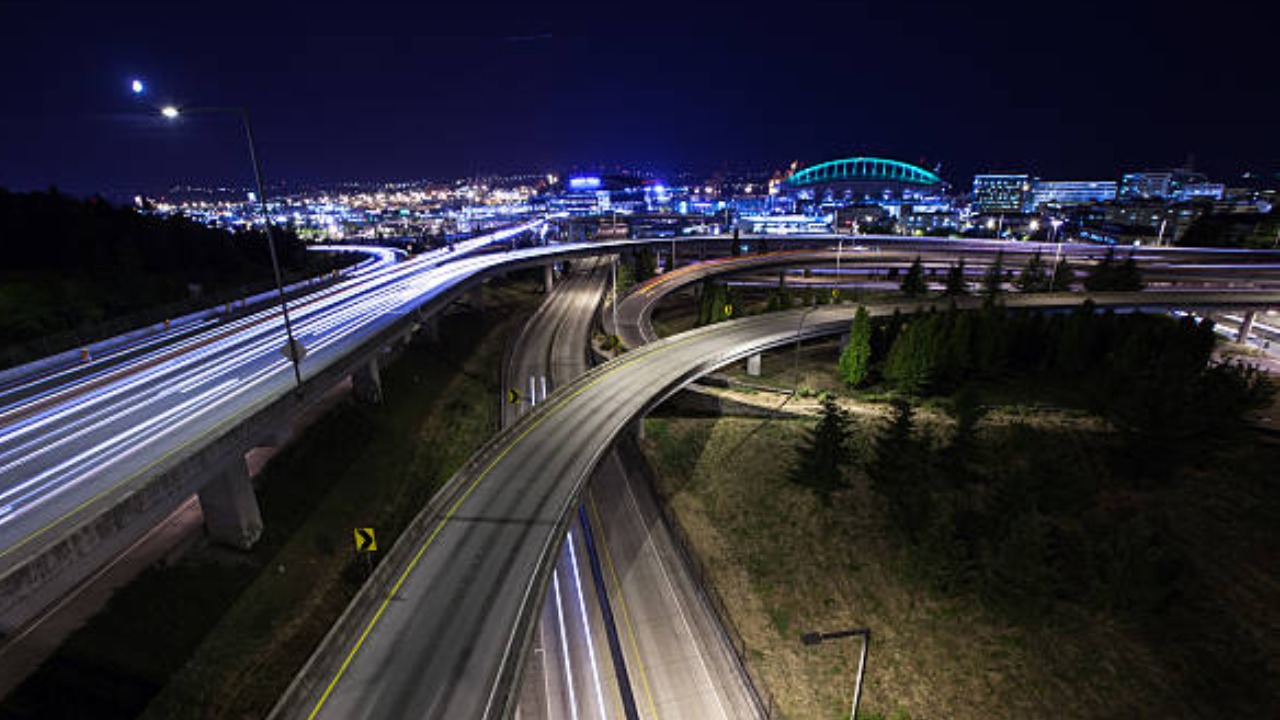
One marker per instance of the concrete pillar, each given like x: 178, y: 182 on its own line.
x: 231, y: 514
x: 475, y: 298
x: 548, y: 278
x: 639, y: 423
x: 366, y: 382
x: 1246, y: 327
x: 753, y: 365
x: 431, y: 326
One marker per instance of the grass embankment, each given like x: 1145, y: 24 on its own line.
x: 787, y: 564
x: 221, y: 634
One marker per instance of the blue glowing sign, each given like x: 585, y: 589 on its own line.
x: 584, y: 183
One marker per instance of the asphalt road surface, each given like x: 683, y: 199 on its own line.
x: 439, y: 631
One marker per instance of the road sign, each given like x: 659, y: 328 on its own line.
x: 835, y: 293
x: 365, y: 541
x: 728, y: 311
x: 513, y: 396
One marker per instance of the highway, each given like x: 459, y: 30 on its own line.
x: 440, y: 630
x: 76, y: 440
x: 678, y: 661
x: 79, y: 439
x: 568, y: 672
x: 72, y: 437
x: 1191, y: 267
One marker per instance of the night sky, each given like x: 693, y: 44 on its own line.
x: 369, y: 91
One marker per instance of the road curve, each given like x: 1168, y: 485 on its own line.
x: 439, y: 629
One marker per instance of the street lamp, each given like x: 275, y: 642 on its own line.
x: 293, y: 351
x: 1055, y: 223
x: 817, y: 638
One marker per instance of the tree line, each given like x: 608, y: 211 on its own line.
x: 1024, y: 517
x: 69, y: 263
x: 1035, y: 276
x: 1148, y: 374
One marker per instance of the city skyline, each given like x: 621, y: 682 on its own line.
x: 402, y: 93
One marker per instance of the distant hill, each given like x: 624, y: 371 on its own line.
x: 67, y: 265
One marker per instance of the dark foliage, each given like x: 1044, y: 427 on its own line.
x: 68, y: 263
x: 827, y: 450
x: 913, y: 283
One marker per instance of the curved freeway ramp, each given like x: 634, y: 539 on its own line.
x: 441, y: 628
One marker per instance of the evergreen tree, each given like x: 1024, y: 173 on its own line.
x: 855, y: 359
x: 993, y: 280
x: 1063, y: 277
x: 913, y: 284
x: 646, y: 263
x: 913, y: 358
x: 826, y: 451
x: 956, y: 284
x: 967, y: 413
x: 955, y: 354
x: 899, y: 471
x: 1033, y: 277
x: 1128, y: 277
x: 1103, y: 275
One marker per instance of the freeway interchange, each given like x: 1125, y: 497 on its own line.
x: 442, y: 628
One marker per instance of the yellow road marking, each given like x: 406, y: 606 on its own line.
x: 448, y: 515
x: 622, y: 604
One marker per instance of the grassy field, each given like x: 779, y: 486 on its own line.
x: 786, y: 564
x: 221, y: 634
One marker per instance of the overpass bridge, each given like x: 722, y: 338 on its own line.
x: 93, y: 456
x: 442, y: 627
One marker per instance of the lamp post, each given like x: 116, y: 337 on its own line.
x: 293, y: 351
x: 1057, y: 255
x: 817, y: 638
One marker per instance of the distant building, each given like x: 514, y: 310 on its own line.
x: 1071, y: 192
x: 1002, y: 193
x: 783, y: 224
x: 928, y: 220
x: 1192, y: 191
x: 1164, y: 185
x: 1148, y: 220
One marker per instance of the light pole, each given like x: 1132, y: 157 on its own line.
x: 817, y: 638
x: 613, y: 301
x: 1057, y: 255
x: 293, y: 351
x: 839, y: 252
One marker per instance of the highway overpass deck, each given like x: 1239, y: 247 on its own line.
x: 440, y: 629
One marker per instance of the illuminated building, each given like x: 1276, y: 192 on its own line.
x: 1002, y: 194
x: 1071, y: 192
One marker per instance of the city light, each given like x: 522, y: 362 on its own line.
x: 584, y: 183
x: 137, y: 87
x: 169, y: 111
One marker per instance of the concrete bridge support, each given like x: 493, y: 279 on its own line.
x: 231, y: 514
x: 431, y: 328
x: 548, y: 278
x: 1246, y: 327
x: 753, y: 365
x: 366, y: 383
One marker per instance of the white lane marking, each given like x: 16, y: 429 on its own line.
x: 648, y: 541
x: 564, y: 647
x: 586, y: 625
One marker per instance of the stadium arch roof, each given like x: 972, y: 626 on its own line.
x: 859, y: 169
